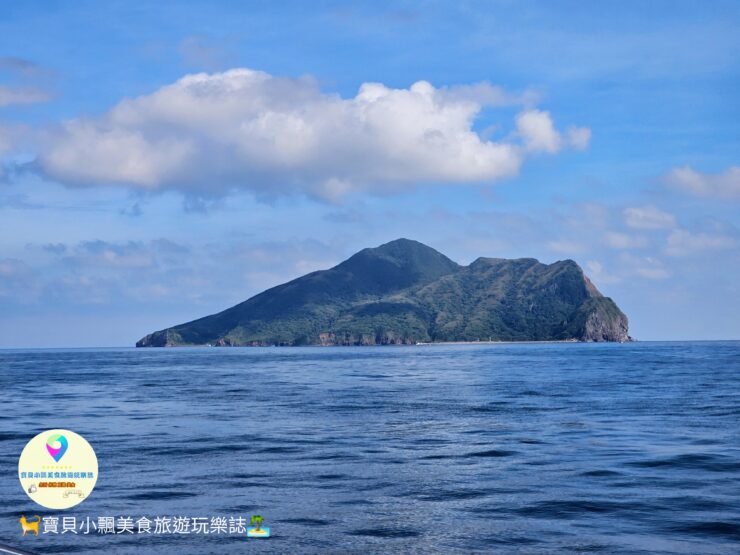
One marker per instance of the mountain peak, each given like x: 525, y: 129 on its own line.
x: 403, y: 248
x: 407, y: 260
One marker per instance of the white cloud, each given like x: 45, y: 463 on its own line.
x: 648, y: 217
x: 683, y: 243
x: 652, y: 272
x: 539, y: 134
x: 595, y: 271
x: 620, y: 240
x: 21, y: 95
x: 647, y: 267
x: 718, y: 185
x: 538, y: 131
x: 566, y: 246
x: 579, y: 137
x: 626, y: 267
x: 209, y: 133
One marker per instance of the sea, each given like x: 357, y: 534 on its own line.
x: 493, y: 448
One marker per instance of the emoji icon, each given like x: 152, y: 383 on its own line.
x: 32, y: 526
x: 56, y: 445
x: 257, y: 531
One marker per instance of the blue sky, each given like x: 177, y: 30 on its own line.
x: 163, y: 161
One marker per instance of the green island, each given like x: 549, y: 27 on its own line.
x: 404, y: 293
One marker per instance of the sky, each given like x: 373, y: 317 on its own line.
x: 161, y: 161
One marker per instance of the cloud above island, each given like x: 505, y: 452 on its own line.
x: 246, y: 129
x: 725, y: 185
x: 539, y: 134
x: 648, y: 217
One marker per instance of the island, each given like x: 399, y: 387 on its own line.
x: 405, y: 293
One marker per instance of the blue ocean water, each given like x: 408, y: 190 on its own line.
x: 540, y: 448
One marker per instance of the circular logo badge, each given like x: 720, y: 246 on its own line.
x: 58, y: 469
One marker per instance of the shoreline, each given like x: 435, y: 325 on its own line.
x: 418, y: 344
x: 508, y: 342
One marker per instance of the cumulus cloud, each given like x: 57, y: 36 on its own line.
x: 619, y: 240
x: 724, y: 185
x: 566, y: 246
x: 652, y: 272
x: 537, y: 129
x: 210, y: 133
x: 648, y: 217
x: 647, y: 267
x: 683, y: 243
x: 627, y: 267
x: 595, y: 270
x: 579, y: 137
